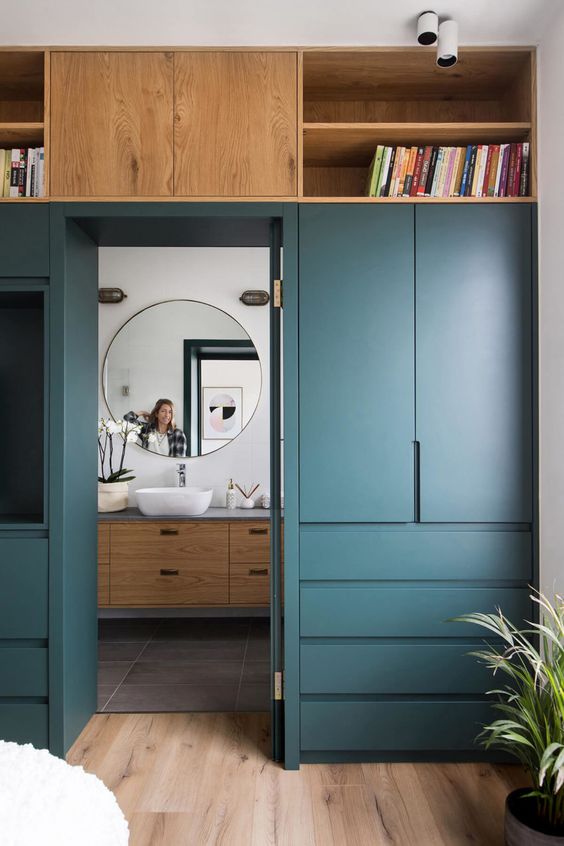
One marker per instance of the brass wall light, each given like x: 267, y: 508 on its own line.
x: 110, y: 295
x: 255, y: 298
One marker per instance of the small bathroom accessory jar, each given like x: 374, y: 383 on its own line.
x: 247, y: 502
x: 265, y: 501
x: 230, y: 498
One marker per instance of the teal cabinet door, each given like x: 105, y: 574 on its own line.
x: 356, y: 332
x: 473, y: 362
x: 24, y: 240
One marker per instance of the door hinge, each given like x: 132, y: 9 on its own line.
x: 278, y: 684
x: 278, y: 294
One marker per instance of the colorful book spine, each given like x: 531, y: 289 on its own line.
x: 437, y: 174
x: 397, y: 171
x: 17, y: 173
x: 465, y: 170
x: 504, y: 171
x: 524, y: 180
x: 461, y: 154
x: 424, y: 171
x: 417, y: 172
x: 391, y: 165
x: 383, y: 171
x: 517, y: 172
x: 487, y: 169
x: 510, y: 171
x: 432, y: 169
x: 490, y: 188
x: 449, y: 172
x: 409, y: 172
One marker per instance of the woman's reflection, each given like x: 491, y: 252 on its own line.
x: 158, y: 429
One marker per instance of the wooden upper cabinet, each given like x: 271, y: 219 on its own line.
x: 235, y: 124
x: 111, y: 124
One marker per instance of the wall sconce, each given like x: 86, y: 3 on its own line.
x: 447, y: 46
x: 255, y: 298
x: 110, y: 295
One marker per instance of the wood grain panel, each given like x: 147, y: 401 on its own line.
x: 103, y: 543
x: 249, y: 583
x: 103, y: 585
x: 408, y: 111
x: 249, y: 542
x: 235, y: 124
x: 175, y: 564
x: 111, y: 124
x: 163, y: 542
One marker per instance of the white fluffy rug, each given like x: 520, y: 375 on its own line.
x: 46, y: 802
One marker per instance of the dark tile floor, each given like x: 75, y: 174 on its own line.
x: 183, y: 665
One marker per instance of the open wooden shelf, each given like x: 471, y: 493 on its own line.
x: 350, y: 144
x: 21, y: 134
x: 355, y: 99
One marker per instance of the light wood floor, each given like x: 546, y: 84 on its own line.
x: 202, y: 779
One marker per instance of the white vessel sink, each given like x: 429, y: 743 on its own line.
x: 161, y: 502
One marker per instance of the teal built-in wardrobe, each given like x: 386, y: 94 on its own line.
x: 409, y: 450
x: 416, y: 462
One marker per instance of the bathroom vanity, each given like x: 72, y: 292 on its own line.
x: 219, y: 558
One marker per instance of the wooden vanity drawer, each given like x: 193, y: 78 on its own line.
x: 161, y: 543
x: 103, y: 584
x: 249, y: 542
x: 169, y: 582
x: 249, y: 583
x: 103, y: 543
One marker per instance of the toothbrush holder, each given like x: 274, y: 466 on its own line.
x: 247, y: 502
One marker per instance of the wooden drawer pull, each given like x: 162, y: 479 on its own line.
x: 169, y: 531
x: 167, y: 572
x: 257, y: 572
x: 258, y: 531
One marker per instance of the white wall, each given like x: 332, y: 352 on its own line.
x: 216, y: 276
x: 551, y: 326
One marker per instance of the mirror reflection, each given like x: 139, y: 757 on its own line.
x: 187, y: 373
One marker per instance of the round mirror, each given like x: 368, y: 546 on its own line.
x: 186, y: 373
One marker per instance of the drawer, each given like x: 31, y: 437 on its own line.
x: 392, y: 726
x: 24, y: 596
x: 423, y: 554
x: 23, y: 671
x: 391, y: 668
x: 404, y: 611
x: 249, y: 583
x: 103, y: 584
x: 163, y: 543
x: 169, y: 582
x: 249, y: 542
x: 25, y: 723
x: 103, y: 543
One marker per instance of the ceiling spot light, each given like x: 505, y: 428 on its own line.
x: 447, y: 46
x: 427, y: 28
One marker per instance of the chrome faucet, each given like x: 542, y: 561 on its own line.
x: 181, y: 470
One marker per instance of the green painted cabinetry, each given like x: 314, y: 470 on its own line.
x: 416, y: 468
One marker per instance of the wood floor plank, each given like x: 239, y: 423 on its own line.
x: 402, y: 804
x: 207, y: 780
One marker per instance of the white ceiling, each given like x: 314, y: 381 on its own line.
x: 264, y: 22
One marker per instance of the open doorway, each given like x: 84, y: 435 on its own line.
x: 184, y: 601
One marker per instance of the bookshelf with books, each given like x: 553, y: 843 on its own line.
x: 24, y: 119
x: 396, y: 102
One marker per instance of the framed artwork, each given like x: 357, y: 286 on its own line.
x: 222, y: 413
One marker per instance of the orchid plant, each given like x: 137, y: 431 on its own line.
x: 109, y: 452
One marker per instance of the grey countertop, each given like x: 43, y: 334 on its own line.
x: 133, y: 514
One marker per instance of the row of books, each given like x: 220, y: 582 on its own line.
x: 477, y: 170
x: 22, y: 172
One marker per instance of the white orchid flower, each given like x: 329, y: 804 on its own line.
x: 114, y: 427
x: 132, y: 436
x: 151, y: 438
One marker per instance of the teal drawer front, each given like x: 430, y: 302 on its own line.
x: 23, y: 588
x: 23, y: 723
x: 392, y: 668
x: 374, y: 554
x: 23, y: 671
x: 392, y: 726
x: 403, y: 611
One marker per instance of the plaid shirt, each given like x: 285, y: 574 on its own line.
x: 176, y: 438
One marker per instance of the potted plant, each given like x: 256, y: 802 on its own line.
x: 531, y: 727
x: 113, y: 484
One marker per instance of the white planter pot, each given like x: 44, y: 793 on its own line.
x: 113, y: 496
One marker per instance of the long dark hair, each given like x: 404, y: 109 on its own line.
x: 156, y: 408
